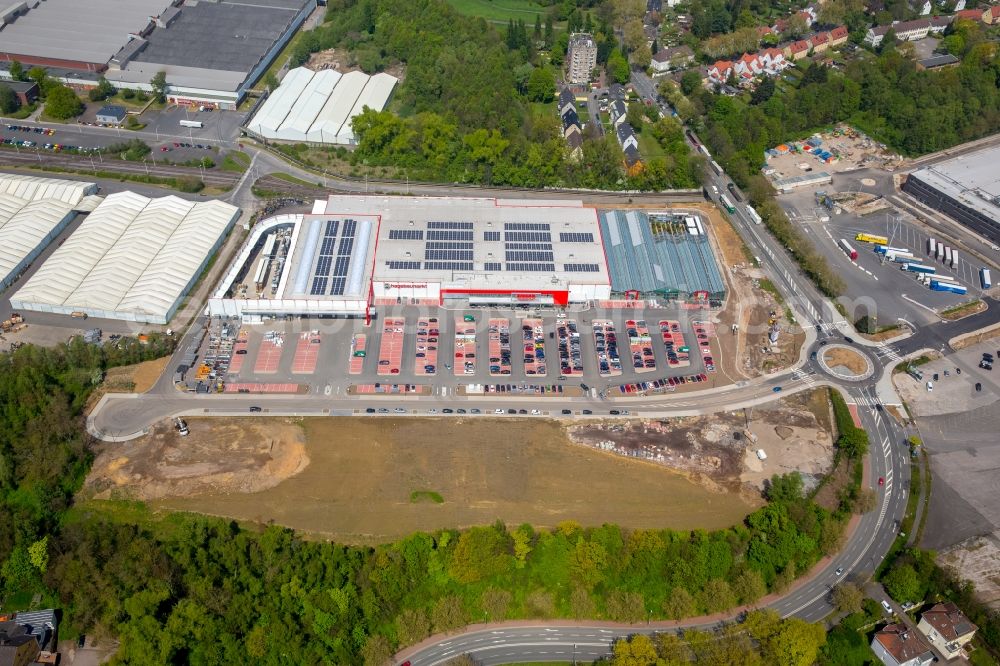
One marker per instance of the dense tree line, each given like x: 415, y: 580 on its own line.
x: 188, y: 589
x: 474, y: 105
x: 43, y: 446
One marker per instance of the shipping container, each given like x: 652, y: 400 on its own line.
x: 901, y: 258
x: 947, y: 254
x: 846, y: 247
x: 984, y: 278
x: 883, y: 249
x: 954, y: 259
x: 870, y: 238
x: 940, y: 251
x: 942, y: 278
x: 931, y: 247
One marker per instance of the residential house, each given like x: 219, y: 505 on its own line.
x: 618, y: 111
x: 820, y: 42
x: 797, y: 50
x: 566, y: 101
x: 897, y: 645
x: 633, y: 161
x: 26, y: 91
x: 111, y: 114
x: 41, y: 624
x: 581, y: 57
x: 719, y: 72
x: 570, y: 121
x: 947, y: 628
x: 17, y: 646
x: 838, y: 35
x: 908, y: 31
x: 666, y: 60
x: 922, y: 7
x: 992, y: 15
x: 575, y: 142
x: 978, y: 15
x: 626, y: 136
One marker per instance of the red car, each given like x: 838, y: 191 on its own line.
x: 881, y: 481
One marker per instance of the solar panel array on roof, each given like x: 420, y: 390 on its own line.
x: 448, y: 245
x: 576, y: 237
x: 531, y: 268
x: 406, y: 234
x: 403, y: 265
x: 519, y: 255
x: 527, y: 246
x: 491, y: 236
x: 673, y: 263
x: 581, y: 268
x: 456, y: 255
x: 448, y: 265
x: 525, y: 226
x: 434, y: 224
x: 492, y: 266
x: 450, y: 235
x: 528, y: 236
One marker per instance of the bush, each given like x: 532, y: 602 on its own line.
x: 128, y: 93
x: 190, y: 184
x: 62, y: 103
x: 9, y: 103
x: 142, y: 96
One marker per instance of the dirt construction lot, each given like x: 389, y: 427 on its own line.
x: 362, y: 473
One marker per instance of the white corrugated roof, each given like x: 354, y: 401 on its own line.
x: 276, y: 108
x: 317, y: 107
x: 31, y: 210
x: 308, y: 105
x: 374, y: 96
x: 133, y: 254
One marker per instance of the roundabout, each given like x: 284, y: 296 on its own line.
x: 845, y: 363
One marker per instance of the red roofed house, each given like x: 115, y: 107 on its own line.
x: 897, y: 645
x: 820, y: 41
x: 797, y: 50
x: 992, y: 15
x: 719, y: 72
x: 838, y: 36
x: 970, y: 14
x: 947, y: 628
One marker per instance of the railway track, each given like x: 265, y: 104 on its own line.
x: 84, y: 164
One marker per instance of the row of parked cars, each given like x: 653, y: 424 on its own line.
x: 31, y: 130
x: 654, y: 384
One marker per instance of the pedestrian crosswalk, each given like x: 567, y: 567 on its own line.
x: 804, y: 377
x: 887, y: 352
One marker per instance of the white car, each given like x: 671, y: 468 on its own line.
x: 930, y: 386
x: 535, y: 412
x: 498, y: 411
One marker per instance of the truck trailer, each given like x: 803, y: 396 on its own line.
x: 931, y: 247
x: 917, y: 268
x: 946, y: 286
x: 984, y: 278
x: 846, y: 247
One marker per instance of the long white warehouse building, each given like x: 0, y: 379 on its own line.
x: 32, y: 212
x: 318, y: 107
x: 134, y: 258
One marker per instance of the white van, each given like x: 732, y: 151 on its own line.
x: 930, y: 386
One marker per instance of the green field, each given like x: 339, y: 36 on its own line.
x: 499, y: 11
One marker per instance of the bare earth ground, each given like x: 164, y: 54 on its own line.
x: 748, y: 354
x: 715, y: 450
x: 977, y: 560
x: 137, y: 378
x: 220, y: 455
x: 845, y: 358
x: 362, y: 471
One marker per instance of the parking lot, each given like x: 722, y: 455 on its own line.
x: 332, y: 355
x: 874, y: 284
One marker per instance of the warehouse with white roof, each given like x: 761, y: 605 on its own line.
x: 32, y: 212
x: 317, y: 107
x: 134, y: 258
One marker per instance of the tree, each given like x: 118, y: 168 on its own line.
x: 62, y: 103
x: 635, y: 651
x: 847, y: 597
x: 103, y: 90
x: 791, y: 641
x: 376, y: 651
x: 536, y: 34
x: 749, y: 586
x: 642, y: 57
x: 9, y: 103
x: 541, y: 85
x: 785, y: 488
x: 690, y: 81
x: 634, y: 35
x: 412, y: 626
x: 580, y: 604
x: 448, y: 614
x: 634, y: 115
x: 903, y: 584
x: 16, y: 70
x: 540, y: 604
x: 41, y: 77
x: 271, y: 81
x: 626, y: 606
x: 618, y: 67
x: 159, y: 86
x: 494, y: 603
x: 763, y: 92
x: 679, y: 605
x: 717, y: 596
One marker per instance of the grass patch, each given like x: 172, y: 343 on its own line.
x: 188, y: 184
x: 648, y: 146
x: 903, y: 367
x: 236, y: 161
x: 23, y: 112
x: 499, y: 11
x: 769, y: 287
x: 426, y: 496
x: 963, y: 310
x: 288, y: 178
